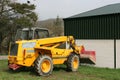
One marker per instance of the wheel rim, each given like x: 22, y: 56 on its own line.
x: 75, y: 63
x: 45, y: 66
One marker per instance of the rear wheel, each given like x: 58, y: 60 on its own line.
x: 44, y: 65
x: 73, y: 62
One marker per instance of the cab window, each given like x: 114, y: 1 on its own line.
x: 39, y: 33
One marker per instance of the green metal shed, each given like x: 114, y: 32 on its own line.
x: 101, y: 23
x: 97, y: 27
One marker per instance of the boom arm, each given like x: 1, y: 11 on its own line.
x: 56, y: 41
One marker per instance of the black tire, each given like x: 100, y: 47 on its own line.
x: 44, y: 65
x: 73, y: 62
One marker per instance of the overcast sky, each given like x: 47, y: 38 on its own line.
x: 46, y: 9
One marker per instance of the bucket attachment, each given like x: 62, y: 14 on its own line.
x: 87, y: 57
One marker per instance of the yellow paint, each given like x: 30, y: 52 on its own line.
x: 75, y: 63
x: 26, y: 54
x: 45, y: 66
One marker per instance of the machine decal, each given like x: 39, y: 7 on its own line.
x: 30, y: 51
x: 28, y: 45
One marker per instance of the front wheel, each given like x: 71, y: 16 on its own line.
x: 44, y: 65
x: 73, y: 62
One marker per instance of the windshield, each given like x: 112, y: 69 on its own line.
x: 24, y: 35
x: 41, y: 34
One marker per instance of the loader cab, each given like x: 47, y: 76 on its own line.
x: 31, y: 33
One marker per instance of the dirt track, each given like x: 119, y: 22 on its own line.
x: 3, y: 57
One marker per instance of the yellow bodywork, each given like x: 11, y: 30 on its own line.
x: 29, y: 50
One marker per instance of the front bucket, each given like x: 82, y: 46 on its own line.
x: 88, y: 57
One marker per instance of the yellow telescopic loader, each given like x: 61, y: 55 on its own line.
x: 34, y: 47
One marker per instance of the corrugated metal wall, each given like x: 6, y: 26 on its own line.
x: 96, y: 27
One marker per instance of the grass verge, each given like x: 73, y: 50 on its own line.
x: 60, y: 73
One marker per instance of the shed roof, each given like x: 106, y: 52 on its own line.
x: 109, y: 9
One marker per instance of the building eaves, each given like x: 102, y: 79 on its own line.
x: 109, y: 9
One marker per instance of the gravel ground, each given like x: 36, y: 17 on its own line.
x: 3, y: 57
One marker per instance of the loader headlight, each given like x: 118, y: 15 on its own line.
x: 28, y: 45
